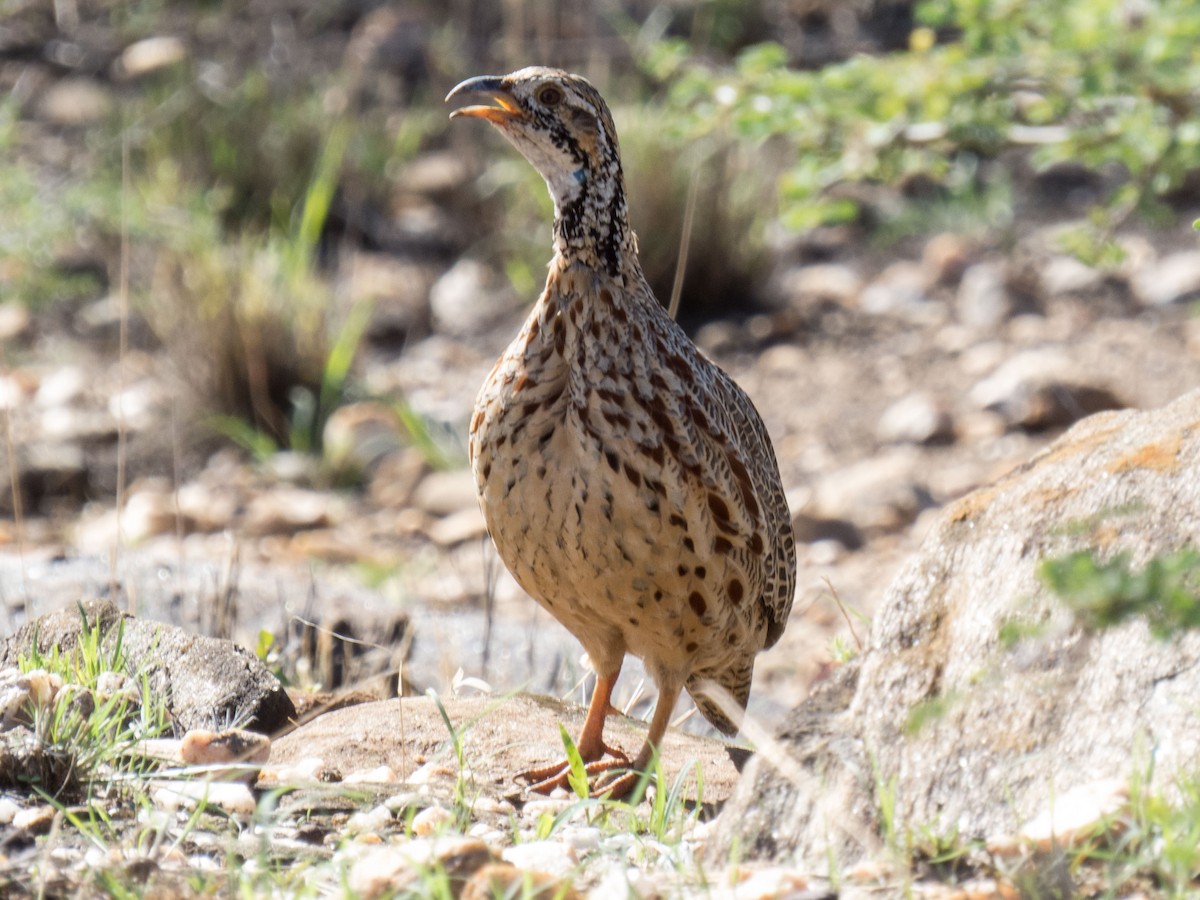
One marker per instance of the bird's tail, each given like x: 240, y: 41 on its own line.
x: 722, y: 696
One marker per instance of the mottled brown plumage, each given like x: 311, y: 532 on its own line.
x: 628, y: 483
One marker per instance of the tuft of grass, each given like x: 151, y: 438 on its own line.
x: 89, y: 732
x: 1165, y: 592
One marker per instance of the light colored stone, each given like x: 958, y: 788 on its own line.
x: 1172, y: 279
x: 1067, y: 275
x: 880, y: 494
x: 287, y: 510
x: 446, y: 492
x: 455, y: 529
x: 373, y: 820
x: 14, y: 320
x: 432, y: 820
x: 8, y: 810
x: 35, y: 819
x: 378, y: 775
x: 1041, y: 388
x: 469, y: 298
x: 60, y: 387
x: 233, y: 797
x: 244, y: 751
x: 946, y: 256
x: 900, y: 288
x: 915, y: 419
x: 75, y: 101
x: 983, y: 300
x: 150, y: 55
x: 770, y: 883
x: 549, y: 856
x: 1070, y: 818
x: 821, y: 282
x: 974, y: 728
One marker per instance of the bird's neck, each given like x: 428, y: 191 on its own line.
x: 591, y: 222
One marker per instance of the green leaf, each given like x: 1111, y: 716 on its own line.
x: 578, y: 777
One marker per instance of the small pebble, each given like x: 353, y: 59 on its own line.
x: 431, y: 772
x: 233, y: 797
x: 407, y: 800
x: 378, y: 775
x: 8, y: 810
x: 35, y: 820
x: 553, y: 857
x: 581, y: 839
x: 770, y: 883
x: 495, y: 805
x: 372, y: 820
x: 431, y: 820
x: 535, y: 809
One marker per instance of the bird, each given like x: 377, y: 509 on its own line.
x: 628, y: 483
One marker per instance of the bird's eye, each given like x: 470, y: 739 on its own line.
x: 549, y: 95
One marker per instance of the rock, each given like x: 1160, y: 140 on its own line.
x: 395, y: 478
x: 35, y: 820
x: 915, y: 419
x: 377, y: 775
x: 150, y: 55
x: 372, y: 820
x: 75, y: 101
x: 549, y: 856
x: 462, y: 526
x: 1172, y: 279
x: 809, y: 529
x: 1040, y: 389
x: 983, y: 300
x: 51, y: 475
x: 1070, y: 818
x: 821, y: 283
x: 877, y: 495
x: 61, y: 387
x: 234, y: 797
x: 967, y: 727
x: 242, y: 752
x: 288, y: 510
x: 204, y: 681
x: 501, y: 736
x: 1067, y: 275
x: 507, y: 880
x: 14, y: 320
x: 447, y: 492
x: 435, y: 174
x: 205, y: 508
x: 945, y: 257
x: 397, y: 291
x: 432, y: 820
x: 359, y: 436
x: 900, y: 288
x: 469, y: 299
x: 396, y: 870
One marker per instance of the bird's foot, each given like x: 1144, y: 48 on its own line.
x: 558, y: 775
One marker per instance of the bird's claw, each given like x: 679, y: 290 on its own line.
x: 546, y: 779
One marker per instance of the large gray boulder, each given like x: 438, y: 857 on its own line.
x: 206, y: 682
x: 972, y: 734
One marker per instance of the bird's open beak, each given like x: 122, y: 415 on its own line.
x: 488, y: 86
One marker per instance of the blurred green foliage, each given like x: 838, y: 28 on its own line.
x: 1100, y: 83
x: 1103, y: 594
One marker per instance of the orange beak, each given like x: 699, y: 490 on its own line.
x: 488, y: 86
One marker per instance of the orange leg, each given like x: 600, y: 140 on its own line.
x: 621, y: 785
x: 591, y: 743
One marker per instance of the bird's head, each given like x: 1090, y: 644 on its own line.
x: 558, y: 122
